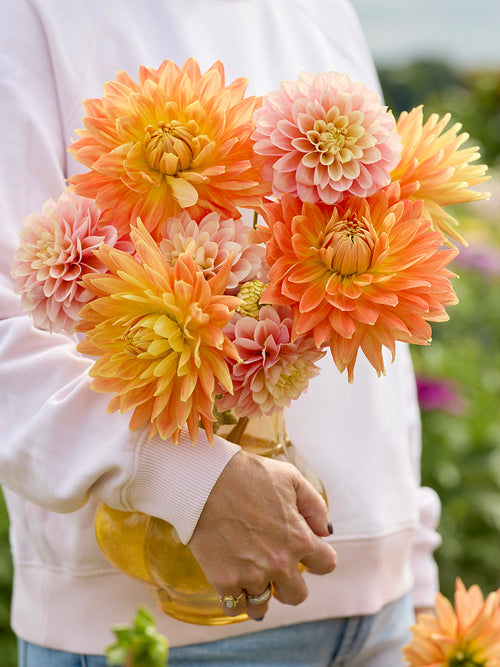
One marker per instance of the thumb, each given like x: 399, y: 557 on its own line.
x: 312, y: 507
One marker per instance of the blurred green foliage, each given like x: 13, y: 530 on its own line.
x: 461, y: 457
x: 473, y: 98
x: 461, y: 452
x: 7, y: 639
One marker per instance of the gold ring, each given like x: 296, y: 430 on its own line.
x: 263, y: 597
x: 229, y: 601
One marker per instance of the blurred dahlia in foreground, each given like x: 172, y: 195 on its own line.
x: 272, y: 370
x: 176, y: 140
x: 210, y: 242
x: 56, y: 250
x: 360, y: 275
x: 158, y: 333
x: 435, y: 169
x: 467, y: 636
x: 325, y: 138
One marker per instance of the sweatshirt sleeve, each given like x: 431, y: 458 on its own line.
x: 426, y: 539
x: 59, y: 445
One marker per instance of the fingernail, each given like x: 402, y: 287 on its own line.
x: 330, y: 528
x: 259, y: 619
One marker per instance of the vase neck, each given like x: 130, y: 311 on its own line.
x: 263, y: 435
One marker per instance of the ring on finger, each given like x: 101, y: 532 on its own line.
x: 263, y: 597
x: 230, y: 601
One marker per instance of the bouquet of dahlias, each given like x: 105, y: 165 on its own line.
x: 467, y: 635
x: 190, y: 312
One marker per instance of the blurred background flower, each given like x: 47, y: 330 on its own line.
x: 437, y: 394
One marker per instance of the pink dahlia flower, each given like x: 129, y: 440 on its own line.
x: 273, y: 371
x: 325, y: 138
x: 210, y: 242
x: 55, y: 251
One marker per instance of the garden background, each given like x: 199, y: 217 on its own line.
x: 459, y: 374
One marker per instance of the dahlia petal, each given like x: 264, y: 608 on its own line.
x: 288, y: 162
x: 183, y: 192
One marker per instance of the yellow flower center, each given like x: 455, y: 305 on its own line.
x: 132, y: 342
x: 347, y: 247
x: 328, y: 138
x: 251, y: 292
x: 48, y: 249
x: 170, y: 147
x: 293, y: 377
x: 464, y: 657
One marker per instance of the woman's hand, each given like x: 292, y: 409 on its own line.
x: 261, y: 519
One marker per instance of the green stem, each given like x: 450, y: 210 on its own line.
x: 237, y: 432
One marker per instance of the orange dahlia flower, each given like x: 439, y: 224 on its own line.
x: 467, y: 636
x: 435, y: 169
x: 158, y: 333
x: 176, y: 140
x: 362, y: 274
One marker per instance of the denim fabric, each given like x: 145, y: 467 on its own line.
x: 361, y: 641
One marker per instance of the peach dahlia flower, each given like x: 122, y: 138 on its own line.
x: 210, y: 242
x: 325, y: 137
x: 436, y: 169
x: 55, y: 252
x: 467, y: 636
x: 362, y: 274
x: 176, y: 140
x: 272, y: 370
x: 157, y: 331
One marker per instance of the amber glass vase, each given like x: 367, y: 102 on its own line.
x: 149, y: 549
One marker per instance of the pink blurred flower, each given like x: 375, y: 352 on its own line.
x: 210, y: 242
x: 273, y: 370
x: 55, y: 251
x: 436, y: 394
x: 326, y: 137
x: 479, y: 257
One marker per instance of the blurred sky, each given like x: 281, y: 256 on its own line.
x: 466, y: 33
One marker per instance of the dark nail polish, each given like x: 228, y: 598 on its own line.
x: 259, y: 619
x: 330, y: 528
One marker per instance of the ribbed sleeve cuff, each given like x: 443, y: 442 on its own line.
x: 426, y: 540
x: 173, y: 482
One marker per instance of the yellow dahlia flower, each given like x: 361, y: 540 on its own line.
x: 435, y: 169
x: 157, y: 331
x: 176, y: 140
x: 467, y: 636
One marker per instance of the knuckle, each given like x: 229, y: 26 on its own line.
x: 293, y: 597
x: 230, y: 585
x: 308, y: 541
x: 279, y: 563
x: 299, y: 596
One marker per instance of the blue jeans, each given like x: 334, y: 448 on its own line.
x: 361, y: 641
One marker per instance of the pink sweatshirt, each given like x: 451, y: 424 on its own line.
x: 61, y: 453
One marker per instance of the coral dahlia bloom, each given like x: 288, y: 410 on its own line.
x: 210, y: 242
x: 157, y: 331
x: 272, y: 370
x: 467, y: 636
x: 56, y: 249
x: 435, y: 169
x: 362, y: 274
x: 176, y: 140
x: 325, y: 138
